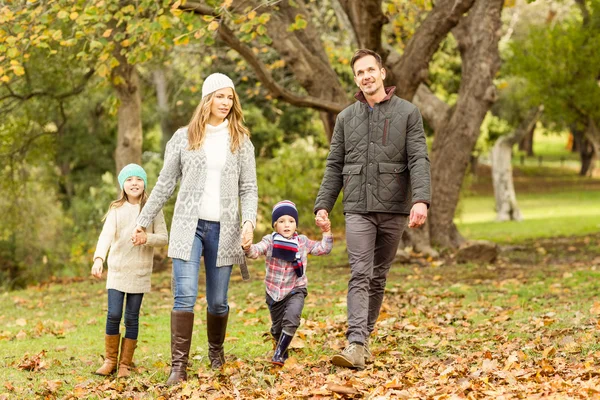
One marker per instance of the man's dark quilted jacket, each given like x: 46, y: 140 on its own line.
x: 378, y: 157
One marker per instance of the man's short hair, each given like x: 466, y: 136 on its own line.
x: 363, y: 53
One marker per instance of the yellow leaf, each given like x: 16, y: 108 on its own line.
x: 176, y: 4
x: 5, y: 78
x: 107, y: 33
x: 213, y: 26
x: 226, y: 4
x: 62, y: 14
x: 251, y: 15
x: 73, y: 16
x: 126, y: 43
x: 103, y: 70
x: 57, y: 35
x: 18, y: 70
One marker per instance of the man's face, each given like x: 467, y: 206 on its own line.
x: 368, y: 75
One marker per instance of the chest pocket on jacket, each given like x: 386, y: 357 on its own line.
x: 352, y: 182
x: 392, y: 184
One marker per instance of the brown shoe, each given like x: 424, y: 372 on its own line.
x: 111, y: 345
x: 353, y: 356
x: 216, y: 328
x: 126, y: 360
x: 182, y: 325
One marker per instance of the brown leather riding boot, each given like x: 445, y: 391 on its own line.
x: 111, y: 345
x: 182, y: 325
x: 126, y: 358
x: 216, y: 327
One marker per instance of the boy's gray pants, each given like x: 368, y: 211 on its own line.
x: 285, y: 314
x: 372, y: 241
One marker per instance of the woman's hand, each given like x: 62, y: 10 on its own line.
x: 139, y: 236
x: 97, y: 268
x: 247, y: 235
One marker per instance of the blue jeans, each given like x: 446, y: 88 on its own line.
x: 185, y: 273
x: 132, y: 313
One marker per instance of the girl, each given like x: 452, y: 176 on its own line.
x: 214, y: 159
x: 129, y: 266
x: 286, y: 257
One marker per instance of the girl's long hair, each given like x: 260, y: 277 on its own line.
x: 197, y: 125
x: 123, y: 199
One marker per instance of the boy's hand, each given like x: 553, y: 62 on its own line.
x: 322, y: 220
x: 97, y: 268
x: 247, y: 234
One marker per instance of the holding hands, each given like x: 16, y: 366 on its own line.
x: 247, y: 235
x: 139, y: 236
x: 322, y: 221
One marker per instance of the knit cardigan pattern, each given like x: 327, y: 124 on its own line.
x: 238, y: 184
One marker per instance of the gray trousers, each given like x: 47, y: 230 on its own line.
x: 372, y: 241
x: 285, y: 314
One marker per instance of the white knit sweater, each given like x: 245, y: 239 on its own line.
x: 129, y: 266
x: 215, y: 148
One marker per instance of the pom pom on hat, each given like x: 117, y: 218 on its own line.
x: 284, y: 207
x: 132, y: 170
x: 214, y: 82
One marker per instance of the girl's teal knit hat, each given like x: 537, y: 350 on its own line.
x: 132, y: 170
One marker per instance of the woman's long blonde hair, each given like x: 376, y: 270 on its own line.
x: 197, y: 125
x: 123, y: 199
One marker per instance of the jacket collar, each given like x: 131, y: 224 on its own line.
x: 360, y: 96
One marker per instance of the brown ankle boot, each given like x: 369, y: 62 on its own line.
x: 216, y: 328
x: 126, y: 360
x: 111, y: 345
x: 182, y: 325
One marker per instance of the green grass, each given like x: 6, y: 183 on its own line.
x: 544, y: 215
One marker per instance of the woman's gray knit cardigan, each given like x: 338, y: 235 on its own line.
x: 238, y: 182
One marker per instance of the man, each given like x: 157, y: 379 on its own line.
x: 378, y: 155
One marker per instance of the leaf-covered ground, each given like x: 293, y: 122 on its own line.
x: 524, y: 327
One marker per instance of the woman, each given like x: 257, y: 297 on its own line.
x: 214, y: 159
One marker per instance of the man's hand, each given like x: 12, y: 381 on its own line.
x: 247, y: 235
x: 97, y: 268
x: 322, y: 219
x: 418, y: 215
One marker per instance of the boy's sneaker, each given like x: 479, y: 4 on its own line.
x: 353, y: 356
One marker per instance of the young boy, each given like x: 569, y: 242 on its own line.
x: 286, y: 254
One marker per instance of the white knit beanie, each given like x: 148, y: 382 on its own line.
x: 214, y: 82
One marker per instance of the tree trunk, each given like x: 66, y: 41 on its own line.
x: 526, y: 144
x: 477, y: 36
x: 162, y: 98
x: 129, y: 116
x: 590, y: 148
x: 504, y: 190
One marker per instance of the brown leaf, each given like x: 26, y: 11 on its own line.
x: 341, y: 389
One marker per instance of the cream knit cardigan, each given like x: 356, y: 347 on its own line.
x: 238, y: 183
x: 129, y: 266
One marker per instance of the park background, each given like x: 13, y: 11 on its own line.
x: 509, y: 92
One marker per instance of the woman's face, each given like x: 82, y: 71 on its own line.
x: 222, y: 102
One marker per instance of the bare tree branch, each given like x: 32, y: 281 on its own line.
x: 42, y: 93
x: 410, y: 69
x: 434, y: 110
x: 264, y: 75
x: 266, y: 78
x: 367, y: 20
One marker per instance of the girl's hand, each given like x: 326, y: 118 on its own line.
x: 139, y: 237
x: 247, y: 235
x: 97, y: 268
